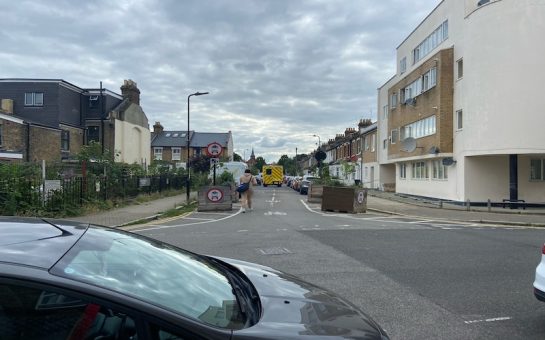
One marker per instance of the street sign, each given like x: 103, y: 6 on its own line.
x: 214, y: 149
x: 214, y: 161
x: 214, y: 195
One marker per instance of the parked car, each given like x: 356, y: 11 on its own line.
x: 303, y: 189
x: 68, y: 280
x: 539, y: 282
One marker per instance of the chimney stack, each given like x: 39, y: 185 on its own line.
x: 157, y: 128
x: 130, y: 91
x: 7, y: 106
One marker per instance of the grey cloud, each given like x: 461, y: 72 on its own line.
x: 286, y: 69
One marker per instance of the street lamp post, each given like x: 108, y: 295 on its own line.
x: 188, y: 179
x: 319, y: 149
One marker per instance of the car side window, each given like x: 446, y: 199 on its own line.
x: 31, y: 313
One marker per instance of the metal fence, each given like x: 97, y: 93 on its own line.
x: 24, y: 194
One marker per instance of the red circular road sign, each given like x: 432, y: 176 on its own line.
x: 214, y: 149
x: 214, y: 195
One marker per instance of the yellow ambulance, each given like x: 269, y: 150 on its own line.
x: 273, y: 174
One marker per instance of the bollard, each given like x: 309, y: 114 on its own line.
x: 468, y: 205
x: 489, y: 205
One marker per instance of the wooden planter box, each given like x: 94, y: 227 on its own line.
x: 215, y: 198
x: 344, y: 199
x: 315, y: 192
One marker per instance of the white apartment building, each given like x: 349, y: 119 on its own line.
x: 462, y: 119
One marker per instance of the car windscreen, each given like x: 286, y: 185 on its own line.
x: 154, y: 272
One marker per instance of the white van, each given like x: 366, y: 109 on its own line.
x: 236, y: 168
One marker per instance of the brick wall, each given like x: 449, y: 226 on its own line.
x: 76, y: 139
x: 14, y: 136
x: 45, y: 143
x: 436, y: 101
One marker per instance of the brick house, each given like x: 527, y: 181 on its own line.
x: 51, y: 119
x: 171, y: 146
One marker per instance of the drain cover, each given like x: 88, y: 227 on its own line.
x: 274, y: 251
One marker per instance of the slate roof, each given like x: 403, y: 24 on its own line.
x: 170, y: 138
x: 198, y: 139
x: 202, y: 139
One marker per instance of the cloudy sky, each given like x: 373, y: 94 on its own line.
x: 278, y: 71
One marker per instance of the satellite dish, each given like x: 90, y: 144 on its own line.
x: 434, y: 150
x: 448, y: 161
x: 408, y: 144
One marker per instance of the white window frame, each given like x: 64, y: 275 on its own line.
x: 385, y: 144
x: 459, y: 119
x: 176, y: 153
x: 439, y: 171
x: 373, y: 142
x: 403, y: 170
x: 34, y: 99
x: 385, y: 112
x: 420, y: 170
x: 158, y: 153
x: 393, y: 100
x: 433, y: 40
x: 421, y: 128
x: 403, y: 65
x: 65, y: 137
x: 392, y: 139
x: 460, y: 68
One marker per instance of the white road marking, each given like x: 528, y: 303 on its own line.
x: 270, y: 213
x: 241, y: 231
x: 188, y: 224
x: 196, y: 218
x: 502, y: 318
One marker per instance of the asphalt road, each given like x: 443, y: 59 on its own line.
x: 420, y: 279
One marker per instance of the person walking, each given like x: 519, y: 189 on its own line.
x: 246, y: 196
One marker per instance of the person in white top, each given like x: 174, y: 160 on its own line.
x: 246, y: 197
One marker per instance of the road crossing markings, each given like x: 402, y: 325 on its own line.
x: 189, y: 224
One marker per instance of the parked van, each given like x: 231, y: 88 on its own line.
x: 236, y: 168
x: 273, y: 175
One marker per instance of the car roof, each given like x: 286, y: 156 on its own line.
x: 37, y: 242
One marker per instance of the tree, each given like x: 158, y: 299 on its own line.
x: 201, y: 164
x: 237, y: 157
x: 259, y: 162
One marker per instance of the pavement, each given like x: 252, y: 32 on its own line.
x: 380, y: 202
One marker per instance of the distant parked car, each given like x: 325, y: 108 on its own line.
x: 539, y: 283
x: 303, y: 190
x: 69, y: 280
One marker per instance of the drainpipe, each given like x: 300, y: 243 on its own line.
x: 513, y: 179
x: 28, y: 142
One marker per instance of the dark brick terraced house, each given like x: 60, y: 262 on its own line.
x: 51, y: 119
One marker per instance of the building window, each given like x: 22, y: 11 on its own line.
x: 439, y: 170
x: 93, y: 102
x: 34, y: 99
x: 367, y: 142
x: 403, y: 170
x: 403, y: 65
x: 65, y: 140
x: 393, y: 100
x: 394, y: 136
x: 418, y: 129
x: 1, y: 135
x: 459, y: 119
x: 420, y: 170
x: 429, y: 79
x: 176, y: 154
x: 431, y: 42
x: 537, y: 167
x: 373, y: 142
x: 460, y: 64
x: 385, y: 112
x: 158, y: 154
x: 385, y: 144
x: 93, y: 134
